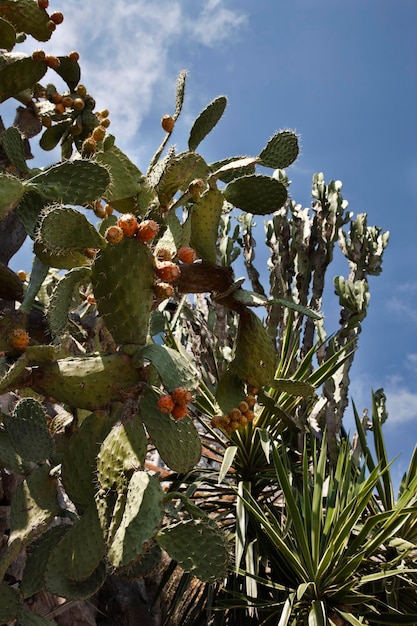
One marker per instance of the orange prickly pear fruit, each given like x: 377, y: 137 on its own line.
x: 43, y: 4
x: 186, y: 254
x: 179, y: 411
x: 181, y: 395
x: 167, y: 271
x: 128, y: 223
x: 114, y: 234
x: 166, y: 404
x: 163, y: 291
x: 52, y: 61
x: 147, y: 230
x: 56, y: 17
x: 168, y: 123
x: 74, y: 56
x: 38, y: 55
x: 250, y: 400
x: 19, y: 339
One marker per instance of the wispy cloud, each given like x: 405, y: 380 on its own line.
x: 402, y: 405
x: 130, y: 48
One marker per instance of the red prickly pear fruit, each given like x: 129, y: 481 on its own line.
x: 167, y: 271
x: 57, y: 17
x: 181, y: 395
x: 19, y: 339
x: 114, y: 234
x: 147, y: 230
x: 52, y: 61
x: 163, y: 291
x: 187, y: 255
x: 128, y: 223
x: 196, y: 188
x: 250, y: 415
x: 38, y: 55
x: 251, y: 400
x: 74, y: 56
x: 168, y: 123
x: 166, y: 404
x: 243, y: 406
x: 163, y: 254
x: 179, y: 411
x: 99, y: 133
x: 43, y: 4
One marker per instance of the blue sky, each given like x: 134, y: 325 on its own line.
x: 342, y: 74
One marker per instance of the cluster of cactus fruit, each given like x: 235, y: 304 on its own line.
x: 157, y: 236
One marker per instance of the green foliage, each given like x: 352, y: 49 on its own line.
x: 243, y: 467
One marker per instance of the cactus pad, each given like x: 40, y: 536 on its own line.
x: 126, y: 178
x: 206, y: 121
x: 141, y: 519
x: 294, y: 387
x: 34, y: 573
x: 123, y: 450
x: 12, y: 190
x: 79, y: 460
x: 27, y: 17
x: 233, y: 167
x: 12, y: 143
x: 256, y: 194
x: 69, y: 71
x: 198, y: 546
x: 73, y: 182
x: 123, y: 278
x: 28, y: 431
x: 19, y: 74
x: 280, y: 151
x: 174, y: 369
x: 9, y: 603
x: 57, y: 582
x: 205, y: 220
x: 34, y: 505
x: 178, y: 173
x: 62, y: 297
x: 87, y: 382
x: 254, y: 352
x: 7, y: 34
x: 177, y: 442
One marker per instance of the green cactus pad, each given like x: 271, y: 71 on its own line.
x: 12, y: 143
x: 198, y: 546
x: 9, y: 458
x: 256, y: 194
x: 7, y: 34
x: 254, y: 353
x: 72, y: 182
x: 123, y: 278
x: 230, y: 391
x: 174, y: 369
x: 79, y: 461
x: 141, y: 519
x: 34, y: 505
x: 87, y: 382
x: 62, y: 297
x: 64, y: 228
x: 29, y: 209
x: 205, y: 220
x: 123, y: 450
x: 19, y: 74
x: 12, y: 189
x: 206, y: 121
x: 146, y: 563
x: 280, y: 151
x: 65, y: 260
x: 178, y: 174
x: 9, y: 603
x: 34, y: 573
x: 53, y: 135
x: 28, y: 431
x: 177, y: 442
x: 27, y: 17
x: 69, y: 71
x: 175, y: 235
x: 82, y: 547
x: 57, y: 582
x: 179, y: 93
x: 233, y: 167
x: 126, y: 178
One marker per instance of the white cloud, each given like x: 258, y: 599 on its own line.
x: 402, y: 405
x: 127, y: 50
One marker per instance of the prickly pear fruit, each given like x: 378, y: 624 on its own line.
x: 179, y: 411
x: 128, y: 223
x: 168, y: 123
x: 19, y: 339
x: 114, y: 234
x: 167, y: 271
x: 147, y: 230
x: 165, y: 403
x: 181, y: 395
x: 186, y: 254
